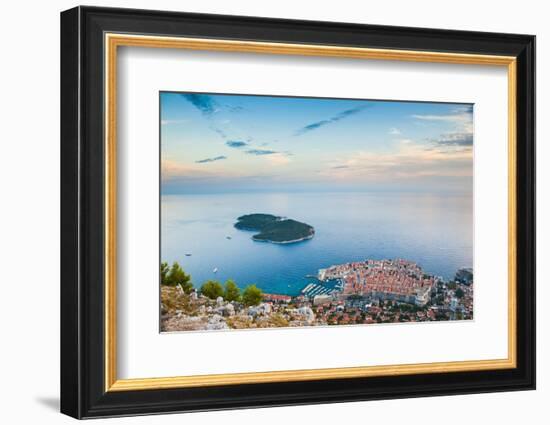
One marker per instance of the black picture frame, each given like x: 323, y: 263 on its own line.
x: 83, y: 392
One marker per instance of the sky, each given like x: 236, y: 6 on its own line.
x: 212, y: 143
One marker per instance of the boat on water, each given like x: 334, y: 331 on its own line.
x: 188, y: 255
x: 215, y: 270
x: 228, y: 237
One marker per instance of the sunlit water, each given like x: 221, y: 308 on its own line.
x: 433, y: 230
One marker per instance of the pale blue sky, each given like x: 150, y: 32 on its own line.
x: 238, y: 143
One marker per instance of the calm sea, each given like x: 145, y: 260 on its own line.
x: 433, y: 230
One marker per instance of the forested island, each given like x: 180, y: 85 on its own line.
x: 275, y: 229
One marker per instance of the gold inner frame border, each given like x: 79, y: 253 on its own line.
x: 113, y: 40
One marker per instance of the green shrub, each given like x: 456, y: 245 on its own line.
x: 164, y: 269
x: 231, y: 291
x: 212, y: 289
x: 252, y: 295
x: 175, y: 276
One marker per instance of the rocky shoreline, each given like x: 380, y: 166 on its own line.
x: 305, y: 238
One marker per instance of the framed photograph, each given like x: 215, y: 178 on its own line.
x: 261, y: 212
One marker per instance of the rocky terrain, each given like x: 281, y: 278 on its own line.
x: 193, y: 312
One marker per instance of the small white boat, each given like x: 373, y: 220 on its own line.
x: 215, y: 270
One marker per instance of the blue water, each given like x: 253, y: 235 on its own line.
x: 433, y: 230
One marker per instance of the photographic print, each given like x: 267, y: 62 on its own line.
x: 207, y: 195
x: 297, y: 211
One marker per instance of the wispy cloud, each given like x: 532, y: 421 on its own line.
x: 219, y: 131
x: 456, y: 139
x: 448, y: 117
x: 338, y: 117
x: 394, y: 131
x: 236, y: 143
x: 207, y: 105
x: 176, y: 175
x: 410, y: 161
x: 260, y: 152
x: 170, y: 122
x: 462, y: 118
x: 464, y: 108
x: 204, y: 103
x: 406, y: 141
x: 216, y: 158
x: 173, y: 169
x: 234, y: 108
x: 279, y: 158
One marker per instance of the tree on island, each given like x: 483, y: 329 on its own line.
x: 175, y: 276
x: 231, y: 291
x: 459, y: 293
x: 164, y: 269
x: 212, y: 289
x: 252, y: 295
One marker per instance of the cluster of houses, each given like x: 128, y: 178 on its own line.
x: 375, y: 291
x: 394, y: 280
